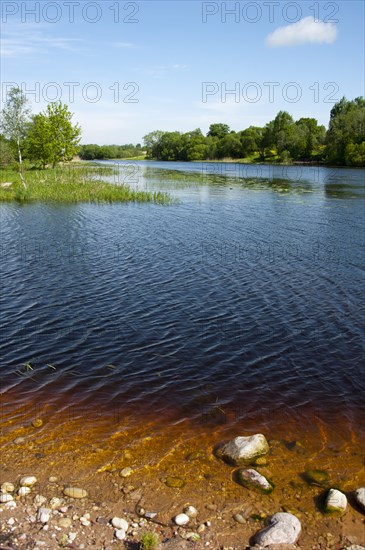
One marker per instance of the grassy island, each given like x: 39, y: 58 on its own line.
x: 71, y: 183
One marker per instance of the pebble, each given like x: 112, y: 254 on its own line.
x: 53, y: 479
x: 10, y: 504
x: 191, y: 511
x: 71, y: 537
x: 75, y: 492
x: 85, y: 521
x: 126, y: 472
x: 19, y: 440
x: 5, y: 497
x: 43, y: 514
x: 24, y: 491
x: 201, y: 528
x: 239, y: 518
x: 11, y: 521
x: 181, y: 519
x: 37, y: 423
x: 119, y: 523
x: 7, y: 487
x: 28, y: 481
x: 39, y: 500
x: 316, y: 477
x: 65, y: 523
x: 150, y: 515
x: 120, y: 534
x: 55, y: 503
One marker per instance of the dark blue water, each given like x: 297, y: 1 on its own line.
x: 246, y: 292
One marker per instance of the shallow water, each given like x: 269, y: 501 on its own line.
x: 238, y: 307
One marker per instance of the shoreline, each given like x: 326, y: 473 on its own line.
x: 91, y: 451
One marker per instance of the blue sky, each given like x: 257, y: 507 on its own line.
x: 127, y: 68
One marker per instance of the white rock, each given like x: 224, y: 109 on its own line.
x: 354, y: 547
x: 56, y: 502
x: 252, y: 479
x: 39, y: 500
x: 191, y: 511
x: 28, y: 481
x: 182, y: 519
x: 71, y: 537
x: 120, y: 534
x: 119, y: 523
x: 7, y: 487
x: 5, y: 497
x: 282, y: 528
x: 244, y: 449
x: 10, y: 504
x: 360, y: 497
x: 43, y: 514
x: 335, y: 501
x: 126, y: 472
x: 84, y: 521
x: 11, y: 521
x: 24, y: 491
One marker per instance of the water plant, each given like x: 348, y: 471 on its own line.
x: 149, y: 541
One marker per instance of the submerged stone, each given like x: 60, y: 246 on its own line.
x: 316, y: 477
x: 251, y: 479
x: 75, y: 492
x: 360, y: 497
x: 243, y: 450
x: 174, y: 482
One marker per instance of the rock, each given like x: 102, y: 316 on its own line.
x: 261, y: 461
x: 181, y: 519
x: 53, y: 479
x: 43, y: 514
x: 354, y: 547
x: 239, y: 518
x: 19, y: 440
x: 10, y: 504
x: 191, y: 511
x: 316, y: 477
x: 5, y: 497
x: 7, y: 487
x: 360, y: 497
x: 251, y: 479
x: 243, y: 450
x: 24, y: 491
x: 150, y: 515
x: 56, y: 502
x: 120, y: 534
x: 85, y: 521
x: 28, y: 481
x: 39, y: 500
x: 75, y: 492
x: 335, y: 502
x: 174, y: 482
x: 65, y: 523
x: 282, y: 528
x: 119, y: 523
x: 126, y: 472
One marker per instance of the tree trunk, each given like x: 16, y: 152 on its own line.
x: 21, y: 165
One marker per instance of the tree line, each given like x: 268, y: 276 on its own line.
x: 105, y: 152
x: 281, y: 139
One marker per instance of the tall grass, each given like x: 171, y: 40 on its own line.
x: 71, y: 183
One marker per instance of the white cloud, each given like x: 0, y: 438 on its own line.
x: 305, y: 31
x: 17, y: 43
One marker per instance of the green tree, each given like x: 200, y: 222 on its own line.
x: 151, y: 142
x: 346, y: 128
x: 14, y: 121
x: 52, y: 136
x: 218, y: 130
x: 6, y: 153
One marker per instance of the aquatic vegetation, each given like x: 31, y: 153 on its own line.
x: 149, y: 541
x: 74, y: 183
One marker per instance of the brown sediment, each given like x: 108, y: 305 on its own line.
x: 87, y: 446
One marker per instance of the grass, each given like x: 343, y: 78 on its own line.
x: 149, y: 541
x: 72, y: 183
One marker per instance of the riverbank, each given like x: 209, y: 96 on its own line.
x: 146, y: 471
x: 72, y: 183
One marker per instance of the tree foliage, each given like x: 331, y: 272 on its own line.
x: 52, y: 136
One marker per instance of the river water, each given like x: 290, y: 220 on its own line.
x: 239, y: 304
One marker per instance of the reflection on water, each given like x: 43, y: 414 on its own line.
x: 241, y: 303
